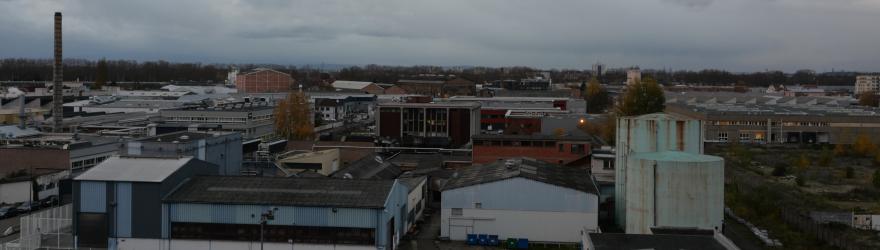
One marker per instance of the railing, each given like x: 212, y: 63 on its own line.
x: 47, y: 229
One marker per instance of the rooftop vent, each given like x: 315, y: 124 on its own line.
x: 184, y: 137
x: 510, y: 164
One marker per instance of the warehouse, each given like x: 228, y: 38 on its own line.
x: 224, y: 212
x: 778, y: 120
x: 120, y: 199
x: 520, y: 198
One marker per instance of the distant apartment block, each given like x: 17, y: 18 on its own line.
x: 867, y: 84
x: 263, y: 80
x: 633, y: 75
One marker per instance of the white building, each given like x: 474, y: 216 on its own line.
x: 867, y: 83
x: 866, y: 221
x: 415, y: 201
x: 520, y: 198
x: 633, y: 75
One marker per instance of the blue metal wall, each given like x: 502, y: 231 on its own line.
x: 123, y: 209
x: 93, y: 197
x: 250, y: 214
x: 396, y: 200
x: 521, y: 194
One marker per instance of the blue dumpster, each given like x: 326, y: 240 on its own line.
x: 493, y: 240
x: 522, y: 244
x: 472, y: 239
x: 483, y: 240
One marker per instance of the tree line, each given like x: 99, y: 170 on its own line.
x: 24, y: 69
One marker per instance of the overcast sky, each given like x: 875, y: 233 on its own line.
x: 736, y: 35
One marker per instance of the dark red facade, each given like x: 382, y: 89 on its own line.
x: 572, y: 151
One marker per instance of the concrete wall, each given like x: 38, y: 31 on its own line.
x: 519, y: 208
x: 160, y: 244
x: 533, y: 225
x: 521, y: 194
x: 674, y: 189
x: 13, y: 192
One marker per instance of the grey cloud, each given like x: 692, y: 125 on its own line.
x: 734, y: 34
x: 691, y: 3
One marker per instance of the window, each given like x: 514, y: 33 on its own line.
x: 457, y: 212
x: 561, y: 147
x: 478, y: 205
x: 744, y: 137
x: 722, y: 136
x: 578, y: 149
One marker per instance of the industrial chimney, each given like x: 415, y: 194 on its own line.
x: 58, y: 77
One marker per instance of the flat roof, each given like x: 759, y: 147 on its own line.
x: 309, y: 192
x: 133, y: 169
x: 524, y: 167
x: 616, y: 241
x: 535, y: 137
x: 183, y: 136
x: 431, y: 105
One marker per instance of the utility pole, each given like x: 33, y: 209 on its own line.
x: 264, y: 218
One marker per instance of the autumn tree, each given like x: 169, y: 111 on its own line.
x: 100, y: 74
x: 644, y: 97
x: 802, y: 162
x: 292, y: 117
x: 604, y: 128
x: 869, y: 99
x: 596, y: 97
x: 826, y: 157
x: 863, y: 146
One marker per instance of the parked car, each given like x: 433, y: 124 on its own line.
x: 27, y: 207
x: 8, y: 212
x: 50, y: 201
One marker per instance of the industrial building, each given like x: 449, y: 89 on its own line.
x: 662, y: 179
x: 416, y: 198
x: 324, y: 162
x: 57, y: 151
x: 674, y: 189
x: 777, y: 120
x: 867, y: 84
x: 306, y: 213
x: 119, y: 202
x: 562, y: 150
x: 364, y: 87
x: 520, y: 198
x: 429, y: 124
x: 223, y: 149
x: 438, y: 88
x: 262, y: 80
x: 251, y: 119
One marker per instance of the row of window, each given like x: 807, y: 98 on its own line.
x: 87, y: 163
x: 774, y: 124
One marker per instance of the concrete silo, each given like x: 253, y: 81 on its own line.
x: 674, y: 189
x: 650, y: 133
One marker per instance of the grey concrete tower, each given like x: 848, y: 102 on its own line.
x: 58, y: 77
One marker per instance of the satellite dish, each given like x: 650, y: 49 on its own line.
x: 378, y: 159
x: 347, y: 176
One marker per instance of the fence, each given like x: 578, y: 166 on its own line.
x: 47, y: 229
x: 794, y: 212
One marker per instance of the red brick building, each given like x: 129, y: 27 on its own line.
x: 263, y: 81
x: 566, y: 150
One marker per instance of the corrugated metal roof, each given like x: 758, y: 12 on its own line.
x: 134, y: 169
x: 525, y: 168
x: 312, y: 192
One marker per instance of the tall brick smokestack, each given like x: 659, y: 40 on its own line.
x: 58, y: 77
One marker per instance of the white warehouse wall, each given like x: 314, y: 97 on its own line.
x: 533, y: 225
